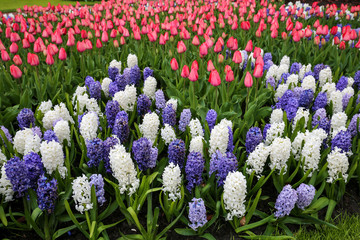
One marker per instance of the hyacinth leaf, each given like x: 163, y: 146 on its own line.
x: 109, y: 210
x: 253, y: 207
x: 260, y: 183
x: 291, y: 177
x: 185, y: 231
x: 30, y: 221
x: 19, y: 225
x: 7, y: 143
x: 103, y: 227
x: 92, y: 229
x: 255, y: 224
x: 136, y: 221
x: 73, y: 218
x: 62, y: 231
x: 268, y: 237
x: 208, y: 236
x: 36, y: 213
x: 317, y: 205
x: 286, y: 229
x: 158, y: 237
x: 306, y: 219
x: 3, y: 216
x: 302, y: 179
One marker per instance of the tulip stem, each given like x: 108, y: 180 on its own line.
x: 257, y: 84
x: 247, y: 100
x: 216, y: 96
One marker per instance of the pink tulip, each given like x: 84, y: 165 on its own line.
x: 185, y: 71
x: 203, y: 50
x: 258, y: 71
x: 229, y: 76
x: 193, y: 76
x: 104, y: 37
x: 80, y: 46
x: 174, y: 64
x: 5, y: 56
x: 248, y: 82
x: 181, y: 48
x: 17, y: 60
x: 214, y: 78
x: 62, y: 54
x: 14, y: 48
x: 15, y: 71
x: 237, y: 58
x: 98, y: 43
x: 249, y: 46
x: 196, y: 41
x: 49, y: 59
x: 32, y: 59
x: 210, y: 66
x: 195, y: 65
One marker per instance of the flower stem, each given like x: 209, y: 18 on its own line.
x: 46, y: 227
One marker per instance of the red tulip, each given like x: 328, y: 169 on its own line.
x: 308, y: 32
x: 122, y: 40
x: 317, y: 40
x: 210, y: 66
x: 203, y: 49
x: 357, y: 45
x: 257, y: 52
x: 62, y: 54
x: 174, y: 64
x: 342, y: 45
x: 17, y: 60
x: 249, y: 46
x: 248, y: 82
x: 230, y: 43
x: 15, y: 71
x: 284, y: 35
x: 98, y: 43
x: 214, y: 78
x: 88, y: 44
x: 80, y: 46
x: 104, y: 37
x: 245, y: 25
x: 71, y: 40
x: 49, y: 59
x: 218, y: 47
x: 237, y: 58
x: 229, y: 76
x: 14, y: 48
x: 193, y: 76
x: 195, y: 65
x: 5, y: 56
x: 185, y: 71
x: 162, y: 40
x: 181, y: 48
x: 113, y: 33
x: 83, y: 34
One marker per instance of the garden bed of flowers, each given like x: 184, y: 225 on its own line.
x: 156, y: 119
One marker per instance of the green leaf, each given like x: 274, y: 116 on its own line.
x: 136, y: 220
x: 104, y: 227
x: 78, y: 225
x: 185, y: 231
x: 2, y: 216
x: 255, y: 224
x: 208, y: 236
x: 62, y: 231
x: 317, y: 205
x: 253, y: 207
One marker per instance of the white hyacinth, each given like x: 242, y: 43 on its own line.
x: 62, y: 131
x: 132, y: 60
x: 172, y: 181
x: 174, y: 103
x: 257, y: 159
x: 337, y: 163
x: 82, y: 194
x: 196, y: 128
x: 275, y: 130
x: 281, y: 70
x: 309, y: 83
x: 234, y: 195
x: 328, y: 88
x: 123, y: 169
x: 296, y: 145
x: 280, y: 153
x: 338, y: 120
x: 325, y: 76
x: 45, y: 106
x: 6, y: 186
x: 285, y: 60
x: 276, y: 116
x: 168, y: 134
x: 126, y: 98
x: 272, y: 72
x: 150, y: 126
x: 89, y: 125
x: 26, y: 141
x: 93, y: 106
x: 350, y: 81
x: 79, y: 99
x: 349, y: 91
x: 2, y: 157
x: 301, y: 113
x: 219, y: 138
x: 336, y: 99
x: 226, y: 123
x: 116, y: 64
x: 60, y: 111
x: 105, y: 86
x: 292, y: 80
x: 150, y: 87
x: 196, y: 144
x: 53, y: 157
x: 281, y: 89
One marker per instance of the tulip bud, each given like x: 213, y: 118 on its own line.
x: 248, y: 82
x: 17, y: 60
x: 15, y: 71
x: 174, y: 64
x: 185, y: 71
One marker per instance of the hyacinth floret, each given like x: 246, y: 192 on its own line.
x: 211, y: 118
x: 107, y: 145
x: 197, y: 213
x: 222, y: 164
x: 305, y: 194
x: 147, y: 72
x: 184, y: 119
x: 234, y: 195
x: 26, y: 118
x: 285, y: 201
x: 194, y: 169
x: 35, y: 167
x: 17, y: 172
x: 342, y: 140
x: 169, y: 115
x: 97, y: 181
x: 121, y: 126
x: 142, y: 150
x: 94, y: 152
x: 46, y: 194
x: 172, y: 181
x: 176, y: 152
x: 253, y: 138
x: 143, y: 105
x: 160, y: 101
x: 111, y: 110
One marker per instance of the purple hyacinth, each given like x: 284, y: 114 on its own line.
x: 267, y: 65
x: 35, y: 167
x: 342, y: 83
x: 295, y: 68
x: 266, y: 128
x: 107, y: 145
x: 319, y: 114
x: 26, y: 118
x: 46, y: 194
x: 270, y: 81
x: 97, y: 181
x: 143, y: 104
x: 147, y: 72
x: 305, y: 195
x: 95, y: 90
x: 94, y: 152
x: 135, y: 75
x: 211, y: 118
x: 142, y: 149
x: 88, y: 81
x: 184, y: 119
x: 345, y: 100
x: 176, y: 152
x: 285, y: 202
x: 197, y: 213
x: 317, y: 69
x: 230, y: 146
x: 357, y: 79
x: 284, y: 78
x: 291, y: 108
x: 306, y: 98
x: 121, y: 126
x: 283, y: 101
x: 7, y: 134
x: 354, y: 128
x: 342, y: 140
x: 160, y: 99
x: 113, y: 88
x: 50, y: 135
x: 309, y: 73
x: 126, y: 74
x: 297, y: 92
x: 121, y: 82
x: 113, y: 71
x: 169, y: 115
x: 320, y: 101
x: 17, y: 172
x: 193, y: 169
x: 111, y: 110
x: 253, y: 138
x: 37, y: 131
x: 267, y: 57
x: 222, y: 165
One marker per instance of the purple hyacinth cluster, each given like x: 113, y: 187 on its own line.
x: 143, y: 104
x: 50, y: 135
x: 295, y: 68
x: 309, y: 73
x: 317, y: 69
x: 88, y: 81
x: 342, y: 83
x: 357, y: 79
x: 305, y: 195
x: 35, y: 167
x: 147, y: 72
x: 37, y: 130
x: 320, y: 101
x: 353, y: 128
x: 284, y: 78
x: 342, y: 140
x: 144, y: 154
x: 230, y: 146
x: 46, y: 194
x: 135, y: 75
x: 253, y: 138
x: 160, y: 99
x: 112, y: 72
x: 97, y: 181
x: 285, y: 202
x: 270, y: 81
x: 94, y: 152
x: 266, y: 128
x: 345, y: 100
x: 26, y: 118
x: 197, y: 213
x: 306, y: 98
x: 95, y: 90
x: 107, y: 145
x: 193, y: 169
x: 121, y: 126
x: 184, y: 121
x: 6, y: 133
x: 222, y: 164
x: 267, y: 57
x: 111, y: 110
x: 176, y: 152
x: 169, y: 115
x: 211, y: 118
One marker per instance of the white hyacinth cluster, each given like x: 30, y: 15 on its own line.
x: 105, y: 86
x: 53, y: 157
x: 301, y: 113
x: 196, y: 128
x: 173, y: 102
x: 296, y: 145
x: 275, y: 130
x: 325, y: 76
x: 45, y: 106
x: 336, y: 99
x: 280, y: 150
x: 309, y: 82
x: 338, y: 122
x: 257, y: 159
x: 150, y: 126
x: 62, y: 131
x: 150, y: 87
x: 276, y: 116
x: 283, y: 68
x: 196, y: 144
x: 338, y: 163
x: 168, y: 134
x: 126, y: 98
x: 59, y: 111
x: 328, y: 88
x: 123, y: 169
x: 82, y: 194
x: 6, y: 188
x: 81, y: 101
x: 281, y: 89
x: 292, y: 80
x: 2, y: 157
x: 172, y: 181
x: 89, y: 125
x: 132, y: 60
x: 219, y: 138
x: 26, y: 141
x: 234, y: 195
x: 116, y: 64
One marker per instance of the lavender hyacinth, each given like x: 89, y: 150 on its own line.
x: 143, y: 104
x: 342, y: 140
x: 111, y: 110
x: 121, y: 81
x: 46, y: 194
x: 147, y: 72
x: 193, y: 169
x: 176, y: 152
x: 285, y: 202
x: 222, y: 165
x: 7, y: 134
x: 270, y: 81
x: 113, y: 88
x: 305, y: 195
x: 160, y: 99
x: 230, y: 147
x: 253, y: 138
x: 50, y: 135
x: 357, y: 79
x: 26, y: 118
x: 121, y: 126
x: 88, y: 81
x: 98, y: 182
x: 353, y: 128
x: 267, y: 57
x: 266, y: 128
x: 135, y: 75
x: 211, y: 118
x: 295, y: 68
x: 142, y: 150
x: 291, y: 108
x: 197, y: 213
x: 169, y: 115
x: 342, y: 83
x: 94, y: 152
x: 107, y: 145
x: 184, y: 119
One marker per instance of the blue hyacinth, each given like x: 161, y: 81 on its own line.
x: 143, y: 104
x: 111, y: 110
x: 194, y: 169
x: 253, y: 138
x: 285, y: 202
x: 121, y: 126
x: 176, y: 152
x: 197, y: 213
x: 211, y: 118
x: 97, y: 181
x: 94, y: 152
x: 221, y: 165
x: 184, y: 119
x: 144, y: 154
x: 169, y: 115
x: 26, y: 118
x: 305, y: 195
x: 107, y: 145
x: 342, y: 140
x: 147, y: 72
x: 160, y: 99
x: 46, y: 194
